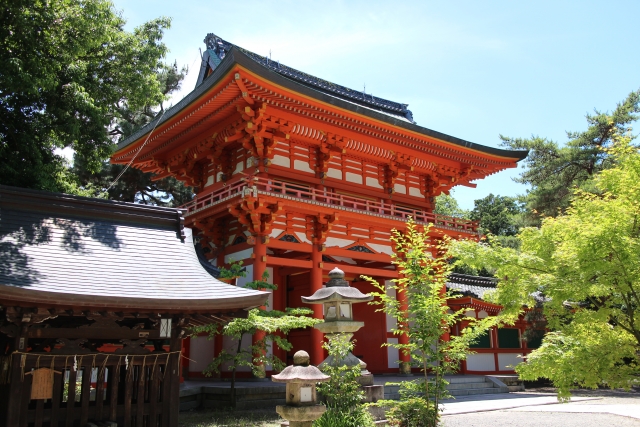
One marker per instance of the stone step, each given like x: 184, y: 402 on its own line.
x: 474, y: 391
x: 458, y: 386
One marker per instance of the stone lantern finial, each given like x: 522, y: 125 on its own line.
x: 301, y: 358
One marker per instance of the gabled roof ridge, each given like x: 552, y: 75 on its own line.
x: 221, y: 47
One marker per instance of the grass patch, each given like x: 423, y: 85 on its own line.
x: 211, y: 418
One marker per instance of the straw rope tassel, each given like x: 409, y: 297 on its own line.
x: 130, y: 367
x: 23, y: 363
x: 153, y: 370
x: 102, y: 369
x: 52, y: 367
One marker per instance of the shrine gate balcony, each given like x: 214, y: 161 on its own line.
x: 318, y: 200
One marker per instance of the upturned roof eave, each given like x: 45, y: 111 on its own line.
x: 23, y: 296
x: 237, y: 57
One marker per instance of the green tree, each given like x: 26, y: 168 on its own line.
x: 583, y: 267
x: 273, y: 323
x: 497, y: 215
x: 67, y: 70
x: 422, y: 280
x: 448, y: 205
x: 133, y: 185
x: 553, y: 170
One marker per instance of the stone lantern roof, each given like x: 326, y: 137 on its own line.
x: 301, y: 371
x: 337, y: 289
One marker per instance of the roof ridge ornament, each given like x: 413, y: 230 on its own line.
x: 222, y: 47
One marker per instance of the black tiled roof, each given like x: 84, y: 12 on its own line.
x: 220, y: 48
x: 473, y: 286
x: 66, y: 250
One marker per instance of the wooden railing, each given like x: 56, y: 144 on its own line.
x: 326, y: 197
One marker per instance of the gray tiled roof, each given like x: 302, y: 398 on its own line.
x: 78, y: 252
x: 474, y: 286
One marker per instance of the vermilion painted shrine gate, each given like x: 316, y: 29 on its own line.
x: 296, y: 175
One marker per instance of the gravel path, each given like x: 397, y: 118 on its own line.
x: 599, y: 408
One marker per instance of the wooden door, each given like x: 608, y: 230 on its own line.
x: 298, y: 285
x: 370, y: 338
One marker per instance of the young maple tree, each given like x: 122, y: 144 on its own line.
x: 584, y: 267
x: 425, y: 323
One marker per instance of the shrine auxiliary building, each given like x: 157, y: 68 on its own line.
x: 296, y: 175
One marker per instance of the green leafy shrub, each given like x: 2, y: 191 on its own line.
x: 412, y: 412
x: 342, y: 393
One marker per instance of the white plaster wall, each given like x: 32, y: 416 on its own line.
x: 392, y: 322
x: 344, y: 259
x: 399, y: 188
x: 383, y: 249
x: 334, y: 241
x: 275, y: 232
x: 393, y: 355
x: 353, y: 177
x: 482, y: 314
x: 373, y: 182
x: 413, y: 191
x: 302, y: 165
x: 242, y: 281
x: 231, y: 346
x: 281, y: 161
x: 334, y: 173
x: 508, y: 359
x: 209, y: 180
x: 302, y: 237
x: 201, y: 353
x: 239, y: 168
x: 238, y: 256
x: 481, y: 362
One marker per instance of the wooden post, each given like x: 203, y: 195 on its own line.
x: 13, y: 413
x: 405, y: 359
x: 316, y: 351
x: 174, y: 376
x: 259, y: 267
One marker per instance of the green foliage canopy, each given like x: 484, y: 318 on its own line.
x: 448, y: 205
x: 67, y: 70
x: 497, y: 215
x: 584, y: 267
x: 553, y: 170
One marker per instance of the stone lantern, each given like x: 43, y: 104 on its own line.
x: 337, y: 298
x: 302, y: 406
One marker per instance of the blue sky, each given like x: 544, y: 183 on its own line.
x: 471, y: 69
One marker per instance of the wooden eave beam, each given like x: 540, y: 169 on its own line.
x: 366, y: 124
x: 334, y: 251
x: 354, y: 269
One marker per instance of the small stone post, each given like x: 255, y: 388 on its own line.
x: 302, y: 406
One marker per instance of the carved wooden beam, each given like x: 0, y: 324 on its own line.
x: 318, y: 227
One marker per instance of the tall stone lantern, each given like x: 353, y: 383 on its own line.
x: 302, y: 406
x: 337, y: 298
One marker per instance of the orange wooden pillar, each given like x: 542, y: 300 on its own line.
x: 316, y: 351
x: 405, y: 358
x: 259, y: 267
